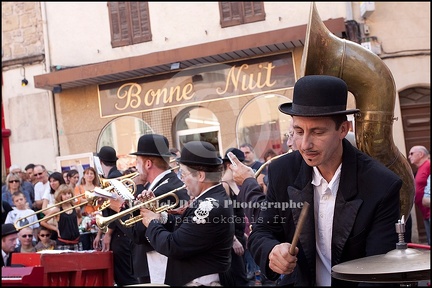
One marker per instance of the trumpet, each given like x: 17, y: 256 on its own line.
x: 123, y: 186
x: 89, y: 196
x: 102, y: 222
x: 258, y: 172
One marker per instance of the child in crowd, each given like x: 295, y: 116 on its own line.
x: 68, y: 220
x: 21, y: 212
x: 45, y: 242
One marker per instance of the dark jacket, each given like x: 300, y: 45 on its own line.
x: 196, y: 249
x: 366, y: 209
x: 136, y: 232
x: 121, y: 245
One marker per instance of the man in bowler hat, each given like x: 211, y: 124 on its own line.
x: 153, y: 166
x: 9, y: 240
x: 108, y: 159
x: 198, y: 243
x: 354, y: 199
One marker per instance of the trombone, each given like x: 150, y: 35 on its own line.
x: 102, y: 222
x: 89, y: 196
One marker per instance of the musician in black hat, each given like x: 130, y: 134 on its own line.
x: 153, y: 166
x: 198, y: 244
x: 354, y: 199
x: 108, y: 159
x: 9, y: 241
x: 115, y: 239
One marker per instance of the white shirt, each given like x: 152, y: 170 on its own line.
x: 27, y: 216
x: 40, y: 188
x: 156, y: 261
x: 5, y: 257
x: 50, y: 197
x: 324, y: 202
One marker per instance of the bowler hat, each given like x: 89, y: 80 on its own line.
x: 153, y: 145
x: 237, y: 152
x: 8, y: 229
x: 108, y: 154
x: 199, y: 153
x: 318, y: 95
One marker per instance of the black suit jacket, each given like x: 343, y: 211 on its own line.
x: 366, y: 209
x: 9, y: 260
x: 196, y: 249
x: 136, y: 232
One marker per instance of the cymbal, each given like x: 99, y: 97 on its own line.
x: 396, y: 266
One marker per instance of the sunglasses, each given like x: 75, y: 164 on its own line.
x: 27, y: 236
x: 38, y: 174
x: 14, y: 181
x: 44, y: 235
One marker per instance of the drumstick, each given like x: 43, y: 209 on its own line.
x: 299, y: 227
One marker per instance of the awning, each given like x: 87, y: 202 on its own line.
x: 221, y: 51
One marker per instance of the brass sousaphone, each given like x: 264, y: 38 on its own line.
x: 372, y: 84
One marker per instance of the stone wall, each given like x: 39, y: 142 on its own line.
x: 22, y: 30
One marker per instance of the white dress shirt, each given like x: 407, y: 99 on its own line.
x: 324, y: 202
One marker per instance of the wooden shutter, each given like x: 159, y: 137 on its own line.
x: 236, y: 13
x: 253, y: 11
x: 130, y: 23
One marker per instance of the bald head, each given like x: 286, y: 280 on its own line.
x: 418, y: 155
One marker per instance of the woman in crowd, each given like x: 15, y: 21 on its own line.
x: 89, y: 182
x: 13, y: 184
x: 55, y: 179
x: 73, y: 178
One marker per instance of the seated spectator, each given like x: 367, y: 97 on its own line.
x: 45, y: 242
x: 73, y: 177
x: 30, y: 175
x: 26, y: 242
x: 21, y: 215
x: 13, y: 184
x: 26, y: 186
x: 68, y: 220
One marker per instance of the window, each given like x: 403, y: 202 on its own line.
x: 236, y: 13
x: 130, y: 23
x: 261, y: 124
x: 122, y: 134
x: 197, y: 124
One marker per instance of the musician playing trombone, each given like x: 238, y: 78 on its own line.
x: 198, y: 244
x: 154, y: 169
x: 354, y: 199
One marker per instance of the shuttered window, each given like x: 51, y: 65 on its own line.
x: 130, y: 23
x: 236, y: 13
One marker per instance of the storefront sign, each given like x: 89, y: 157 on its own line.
x: 197, y: 85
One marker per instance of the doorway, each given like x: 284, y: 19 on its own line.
x: 415, y: 112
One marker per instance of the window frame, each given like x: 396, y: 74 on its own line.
x: 124, y: 28
x: 238, y: 13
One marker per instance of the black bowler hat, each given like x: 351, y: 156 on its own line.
x: 153, y: 145
x: 8, y: 229
x: 199, y: 153
x: 237, y: 152
x: 108, y: 154
x: 318, y: 95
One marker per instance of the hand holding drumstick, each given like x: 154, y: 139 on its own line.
x: 282, y: 258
